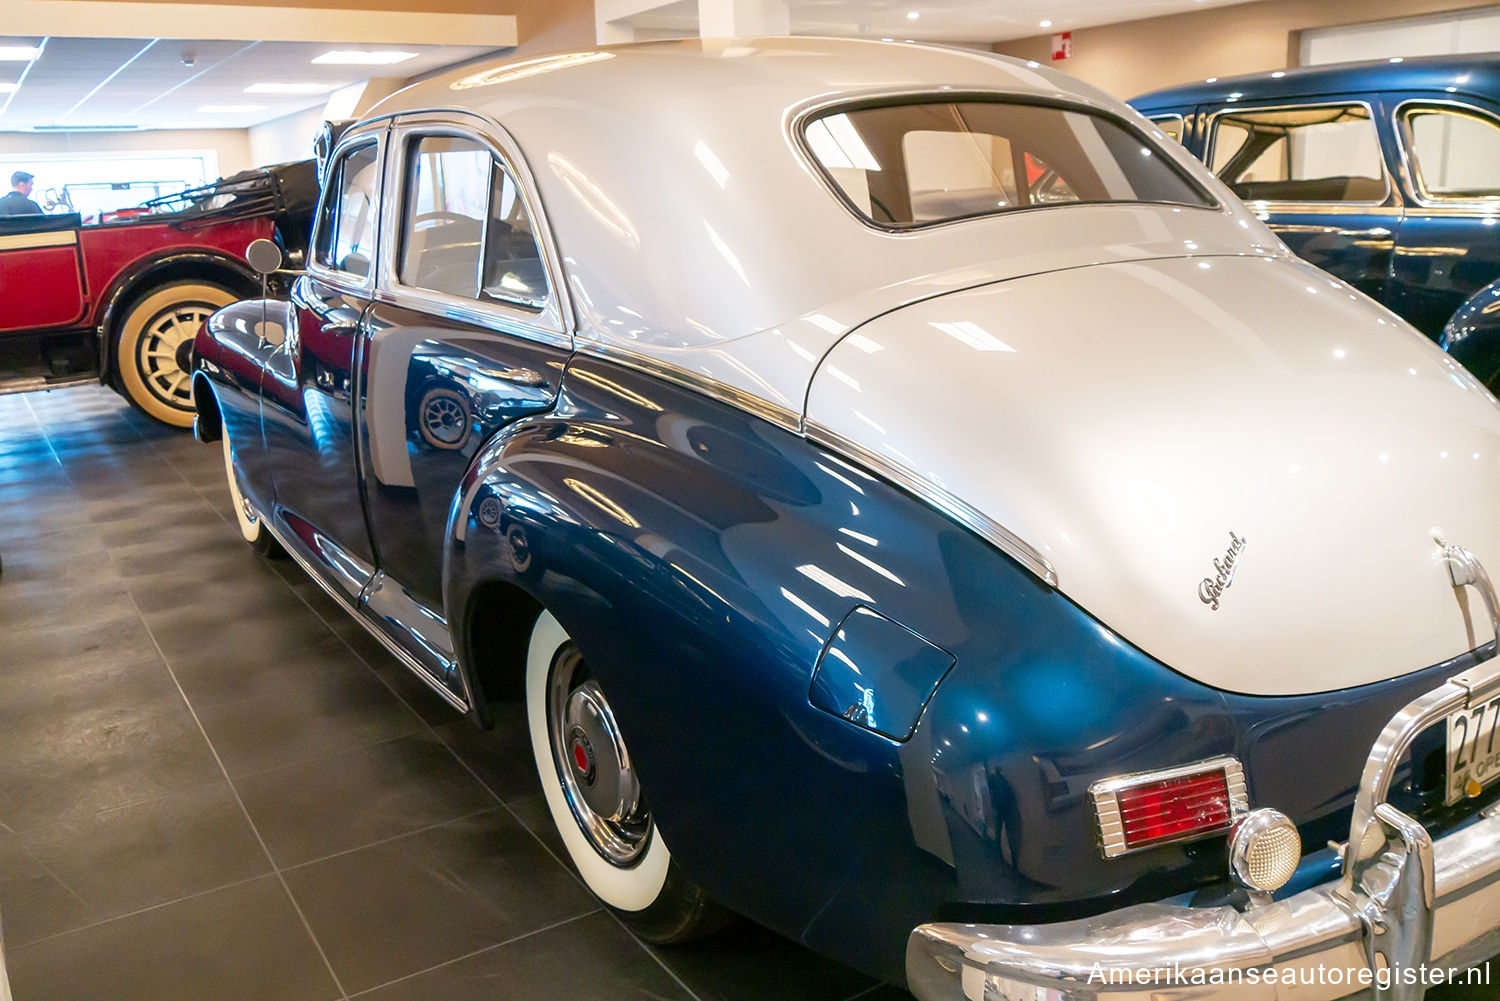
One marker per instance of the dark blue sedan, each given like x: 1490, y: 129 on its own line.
x: 1385, y: 173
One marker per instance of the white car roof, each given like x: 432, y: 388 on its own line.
x: 694, y: 233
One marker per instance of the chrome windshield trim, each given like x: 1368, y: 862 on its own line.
x: 1106, y: 796
x: 1211, y: 134
x: 701, y: 384
x: 913, y: 483
x: 363, y: 134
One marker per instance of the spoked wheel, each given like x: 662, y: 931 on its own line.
x: 251, y: 529
x: 154, y: 354
x: 595, y: 797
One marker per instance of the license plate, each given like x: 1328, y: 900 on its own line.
x: 1473, y: 750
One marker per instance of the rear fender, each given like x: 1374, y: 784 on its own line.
x: 1473, y: 335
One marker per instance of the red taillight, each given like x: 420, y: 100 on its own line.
x: 1163, y: 811
x: 1152, y: 808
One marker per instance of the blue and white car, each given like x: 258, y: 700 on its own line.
x: 921, y: 509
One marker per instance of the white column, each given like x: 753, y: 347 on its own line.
x: 743, y: 18
x: 614, y: 20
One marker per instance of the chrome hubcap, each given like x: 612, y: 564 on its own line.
x: 164, y: 352
x: 597, y: 777
x: 445, y: 419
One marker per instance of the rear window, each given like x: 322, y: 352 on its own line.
x: 919, y: 163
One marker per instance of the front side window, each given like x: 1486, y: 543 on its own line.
x: 913, y: 164
x: 346, y: 226
x: 1456, y: 153
x: 466, y: 231
x: 1306, y: 154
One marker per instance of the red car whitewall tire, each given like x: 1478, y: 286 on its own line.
x: 153, y: 354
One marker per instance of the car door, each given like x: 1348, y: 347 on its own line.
x: 41, y: 282
x: 307, y: 399
x: 467, y: 334
x: 1314, y: 171
x: 1448, y: 246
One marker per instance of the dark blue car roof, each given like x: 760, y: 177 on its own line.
x: 1475, y: 75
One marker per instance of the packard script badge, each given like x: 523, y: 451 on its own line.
x: 1210, y: 589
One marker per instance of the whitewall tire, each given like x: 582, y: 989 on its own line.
x: 595, y: 799
x: 245, y: 516
x: 153, y: 352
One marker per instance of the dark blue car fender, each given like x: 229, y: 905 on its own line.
x: 1473, y: 335
x: 701, y: 558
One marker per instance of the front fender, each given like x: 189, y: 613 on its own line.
x: 1473, y: 335
x: 230, y: 355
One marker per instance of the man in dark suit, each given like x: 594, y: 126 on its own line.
x: 18, y: 201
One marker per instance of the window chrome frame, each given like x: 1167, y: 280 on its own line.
x: 553, y: 322
x: 1411, y: 166
x: 374, y: 131
x: 1211, y: 134
x: 797, y: 119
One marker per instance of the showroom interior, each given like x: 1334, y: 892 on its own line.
x: 216, y: 782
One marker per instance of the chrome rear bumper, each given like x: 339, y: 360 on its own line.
x: 1406, y: 909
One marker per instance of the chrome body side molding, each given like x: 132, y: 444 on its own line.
x: 970, y: 517
x: 407, y: 660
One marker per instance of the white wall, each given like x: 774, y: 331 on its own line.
x: 1444, y: 34
x: 228, y: 149
x: 283, y: 139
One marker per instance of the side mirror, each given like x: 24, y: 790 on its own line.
x: 264, y: 256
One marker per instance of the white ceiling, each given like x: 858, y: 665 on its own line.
x: 940, y: 20
x: 81, y: 83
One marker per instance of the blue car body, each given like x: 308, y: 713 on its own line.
x: 1432, y: 259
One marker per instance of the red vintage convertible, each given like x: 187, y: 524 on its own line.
x: 120, y: 302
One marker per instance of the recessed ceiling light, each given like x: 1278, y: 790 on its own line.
x: 229, y: 109
x: 1212, y: 79
x: 887, y: 39
x: 1397, y: 59
x: 9, y: 88
x: 291, y: 88
x: 18, y: 53
x: 1046, y: 24
x: 912, y: 15
x: 363, y: 57
x: 1278, y: 74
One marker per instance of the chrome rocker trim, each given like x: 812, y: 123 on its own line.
x: 406, y: 659
x: 1403, y: 900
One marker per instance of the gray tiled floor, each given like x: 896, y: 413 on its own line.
x: 214, y: 785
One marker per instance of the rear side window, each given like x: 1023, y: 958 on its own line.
x: 913, y: 164
x: 346, y: 227
x: 466, y: 231
x: 1329, y: 153
x: 1456, y: 152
